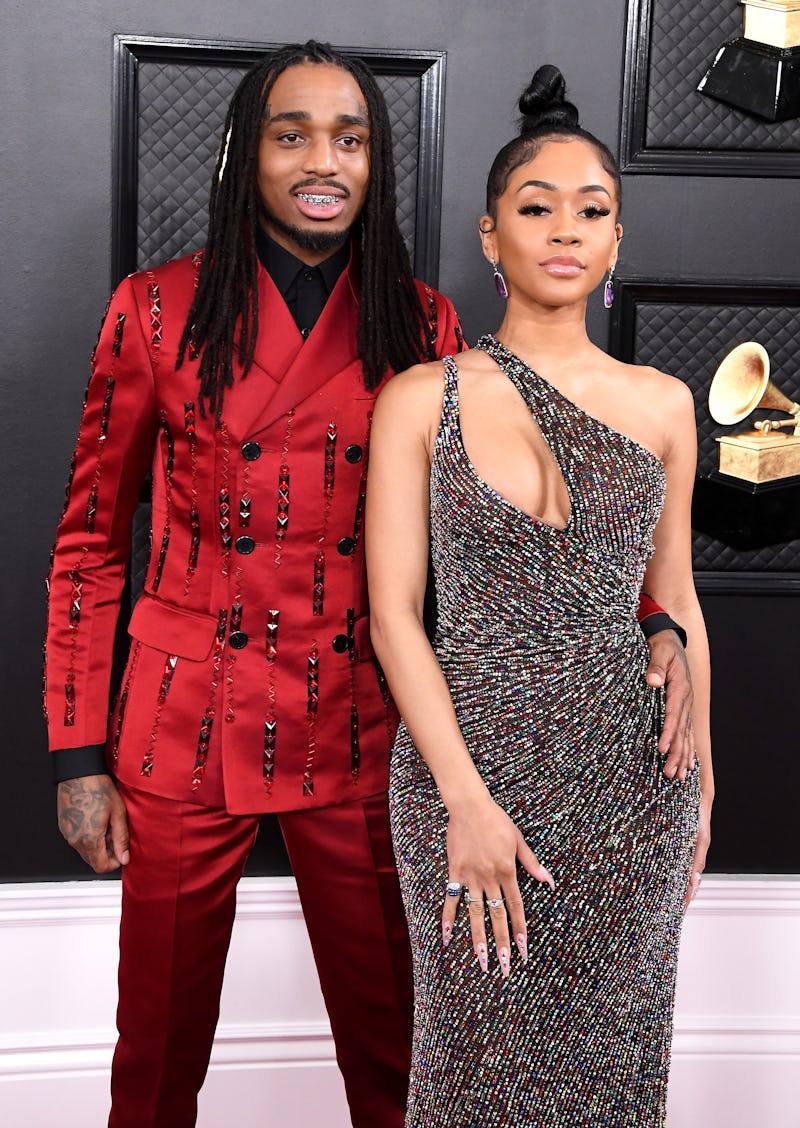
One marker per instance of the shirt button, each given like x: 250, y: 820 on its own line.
x: 251, y: 451
x: 245, y: 545
x: 238, y: 640
x: 308, y: 275
x: 354, y: 453
x: 345, y: 546
x: 340, y: 643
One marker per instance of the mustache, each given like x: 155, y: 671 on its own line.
x: 316, y: 182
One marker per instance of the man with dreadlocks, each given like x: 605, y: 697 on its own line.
x: 244, y: 377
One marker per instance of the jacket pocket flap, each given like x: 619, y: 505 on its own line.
x: 172, y: 630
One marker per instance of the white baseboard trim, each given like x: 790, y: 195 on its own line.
x: 266, y: 1045
x: 270, y: 1045
x: 734, y: 1019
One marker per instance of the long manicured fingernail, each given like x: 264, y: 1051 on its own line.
x: 483, y: 956
x: 505, y: 961
x: 447, y: 933
x: 548, y: 878
x: 522, y: 946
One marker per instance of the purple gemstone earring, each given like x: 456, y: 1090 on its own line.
x: 499, y: 280
x: 608, y: 290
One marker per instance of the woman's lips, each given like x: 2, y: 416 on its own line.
x: 562, y: 266
x: 320, y: 204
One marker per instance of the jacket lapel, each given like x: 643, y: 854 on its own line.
x: 299, y: 368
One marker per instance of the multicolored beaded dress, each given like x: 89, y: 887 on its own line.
x: 538, y: 638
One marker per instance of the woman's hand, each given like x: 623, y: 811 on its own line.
x: 701, y: 846
x: 483, y: 848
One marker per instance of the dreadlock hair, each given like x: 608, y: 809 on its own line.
x: 546, y: 116
x: 392, y: 328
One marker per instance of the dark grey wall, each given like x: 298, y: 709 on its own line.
x: 56, y: 97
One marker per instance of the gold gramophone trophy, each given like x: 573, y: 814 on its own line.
x: 740, y: 385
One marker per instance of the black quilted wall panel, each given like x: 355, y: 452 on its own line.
x: 684, y: 38
x: 687, y: 336
x: 667, y: 125
x: 181, y: 109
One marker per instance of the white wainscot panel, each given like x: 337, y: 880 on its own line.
x: 736, y: 1056
x: 58, y: 964
x: 736, y: 1051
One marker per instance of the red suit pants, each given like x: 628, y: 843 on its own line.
x: 178, y: 905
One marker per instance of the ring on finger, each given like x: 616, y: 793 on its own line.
x: 495, y: 902
x: 453, y: 889
x: 470, y: 900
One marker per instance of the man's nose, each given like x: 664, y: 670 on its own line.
x: 321, y: 157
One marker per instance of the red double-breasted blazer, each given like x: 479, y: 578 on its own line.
x: 250, y: 680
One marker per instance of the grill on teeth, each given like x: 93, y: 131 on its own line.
x: 316, y: 199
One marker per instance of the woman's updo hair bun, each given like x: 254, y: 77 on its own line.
x: 543, y: 103
x: 546, y: 116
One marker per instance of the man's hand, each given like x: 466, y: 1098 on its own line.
x: 668, y: 667
x: 92, y: 818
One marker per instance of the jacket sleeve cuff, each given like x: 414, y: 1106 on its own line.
x: 69, y: 763
x: 660, y: 621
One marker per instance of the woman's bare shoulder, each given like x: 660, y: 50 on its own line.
x: 410, y: 403
x: 659, y: 389
x: 413, y: 382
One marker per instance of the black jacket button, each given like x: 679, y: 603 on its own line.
x: 353, y: 453
x: 345, y: 546
x: 238, y: 640
x: 340, y: 643
x: 245, y: 545
x: 251, y: 451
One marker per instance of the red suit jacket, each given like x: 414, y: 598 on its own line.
x: 250, y: 682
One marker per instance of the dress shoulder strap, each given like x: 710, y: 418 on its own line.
x: 450, y: 382
x: 449, y: 418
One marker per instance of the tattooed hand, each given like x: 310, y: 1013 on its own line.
x: 92, y: 818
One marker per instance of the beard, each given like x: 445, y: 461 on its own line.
x: 307, y: 239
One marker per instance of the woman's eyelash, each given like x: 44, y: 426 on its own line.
x: 593, y: 211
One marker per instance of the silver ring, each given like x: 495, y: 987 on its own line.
x: 472, y: 900
x: 494, y: 902
x: 453, y: 889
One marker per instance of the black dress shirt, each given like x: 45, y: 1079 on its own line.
x: 305, y: 289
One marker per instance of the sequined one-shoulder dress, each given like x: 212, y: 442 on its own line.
x: 538, y: 639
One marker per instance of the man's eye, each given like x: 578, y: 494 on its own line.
x: 350, y: 142
x: 290, y: 137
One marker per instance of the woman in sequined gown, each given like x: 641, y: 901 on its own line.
x: 551, y: 482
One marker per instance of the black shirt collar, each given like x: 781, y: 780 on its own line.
x: 283, y: 267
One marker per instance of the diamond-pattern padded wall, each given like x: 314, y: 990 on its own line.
x: 689, y: 340
x: 181, y: 111
x: 685, y: 36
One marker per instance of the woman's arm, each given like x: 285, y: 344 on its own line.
x: 669, y: 580
x: 483, y: 843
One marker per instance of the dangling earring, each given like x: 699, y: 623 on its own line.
x: 608, y: 290
x: 499, y: 280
